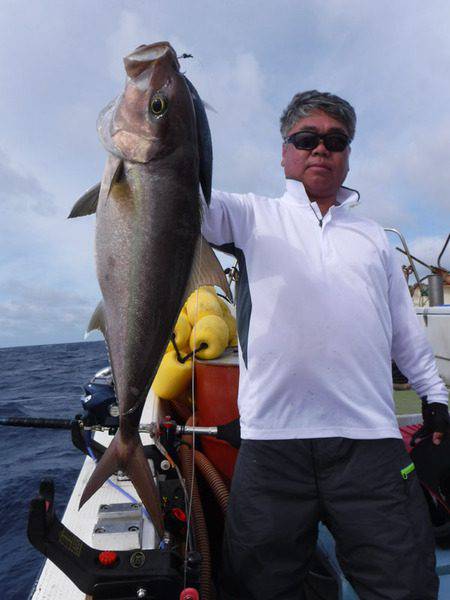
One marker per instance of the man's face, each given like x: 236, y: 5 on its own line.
x: 322, y: 172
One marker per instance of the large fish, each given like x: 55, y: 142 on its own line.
x: 149, y: 251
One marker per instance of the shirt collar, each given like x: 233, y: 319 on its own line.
x: 345, y: 196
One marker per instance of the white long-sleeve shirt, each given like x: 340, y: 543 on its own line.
x: 321, y: 311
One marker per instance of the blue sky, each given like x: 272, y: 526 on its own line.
x: 61, y: 62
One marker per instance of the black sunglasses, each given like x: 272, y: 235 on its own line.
x: 308, y: 140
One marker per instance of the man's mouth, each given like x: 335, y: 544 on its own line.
x: 319, y: 167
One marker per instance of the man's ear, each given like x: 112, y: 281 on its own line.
x: 283, y: 154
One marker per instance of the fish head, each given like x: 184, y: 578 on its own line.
x: 155, y: 111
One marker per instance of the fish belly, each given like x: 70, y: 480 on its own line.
x: 145, y: 241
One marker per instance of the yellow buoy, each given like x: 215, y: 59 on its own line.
x: 231, y: 322
x: 201, y: 303
x: 172, y: 377
x: 209, y: 288
x: 182, y: 332
x: 213, y: 331
x: 224, y: 306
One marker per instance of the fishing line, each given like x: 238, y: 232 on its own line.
x: 191, y: 495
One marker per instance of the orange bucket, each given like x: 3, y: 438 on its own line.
x: 216, y: 390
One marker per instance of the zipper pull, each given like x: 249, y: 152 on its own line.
x: 315, y: 214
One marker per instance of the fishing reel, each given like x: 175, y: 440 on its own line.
x: 100, y: 406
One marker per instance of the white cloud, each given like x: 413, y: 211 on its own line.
x: 20, y: 191
x: 428, y: 248
x: 37, y: 312
x: 133, y: 30
x: 391, y: 60
x: 129, y: 33
x: 428, y: 166
x: 245, y: 127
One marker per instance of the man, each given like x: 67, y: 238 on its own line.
x: 322, y: 308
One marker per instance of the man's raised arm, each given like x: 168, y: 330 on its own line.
x: 229, y: 219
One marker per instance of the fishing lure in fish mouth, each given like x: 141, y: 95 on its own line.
x: 149, y: 251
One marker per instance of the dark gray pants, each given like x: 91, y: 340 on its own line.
x: 282, y: 488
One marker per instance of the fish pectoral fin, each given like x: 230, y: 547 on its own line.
x: 118, y: 174
x: 87, y: 204
x: 130, y: 457
x: 114, y: 181
x: 206, y: 270
x: 97, y: 320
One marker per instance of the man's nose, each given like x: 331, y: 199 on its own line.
x: 320, y: 150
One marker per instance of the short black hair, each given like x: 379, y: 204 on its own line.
x: 304, y: 103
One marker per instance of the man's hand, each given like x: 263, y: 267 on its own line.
x: 436, y: 421
x: 437, y: 438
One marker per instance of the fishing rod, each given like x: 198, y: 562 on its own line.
x: 433, y: 269
x: 443, y: 250
x: 230, y: 432
x: 39, y: 423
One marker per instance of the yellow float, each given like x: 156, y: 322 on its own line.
x: 173, y: 377
x: 231, y: 323
x: 215, y: 327
x: 200, y: 303
x: 213, y: 331
x: 224, y: 306
x: 182, y: 332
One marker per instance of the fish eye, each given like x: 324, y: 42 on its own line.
x: 158, y: 105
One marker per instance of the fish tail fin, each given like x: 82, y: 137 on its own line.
x: 107, y: 465
x: 139, y: 472
x: 130, y: 457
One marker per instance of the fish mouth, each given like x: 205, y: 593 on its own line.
x: 149, y: 52
x: 141, y: 58
x: 132, y: 132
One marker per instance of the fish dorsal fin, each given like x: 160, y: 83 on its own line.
x: 209, y: 107
x: 87, y: 203
x: 206, y: 270
x: 97, y: 320
x: 204, y: 142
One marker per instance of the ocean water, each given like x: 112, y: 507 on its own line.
x: 37, y: 381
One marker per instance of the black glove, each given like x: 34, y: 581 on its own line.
x: 435, y: 419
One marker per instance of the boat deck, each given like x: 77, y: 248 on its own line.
x: 53, y: 584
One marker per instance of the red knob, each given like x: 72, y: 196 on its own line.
x: 189, y: 594
x: 107, y: 558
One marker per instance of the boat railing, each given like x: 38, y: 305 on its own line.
x: 421, y: 286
